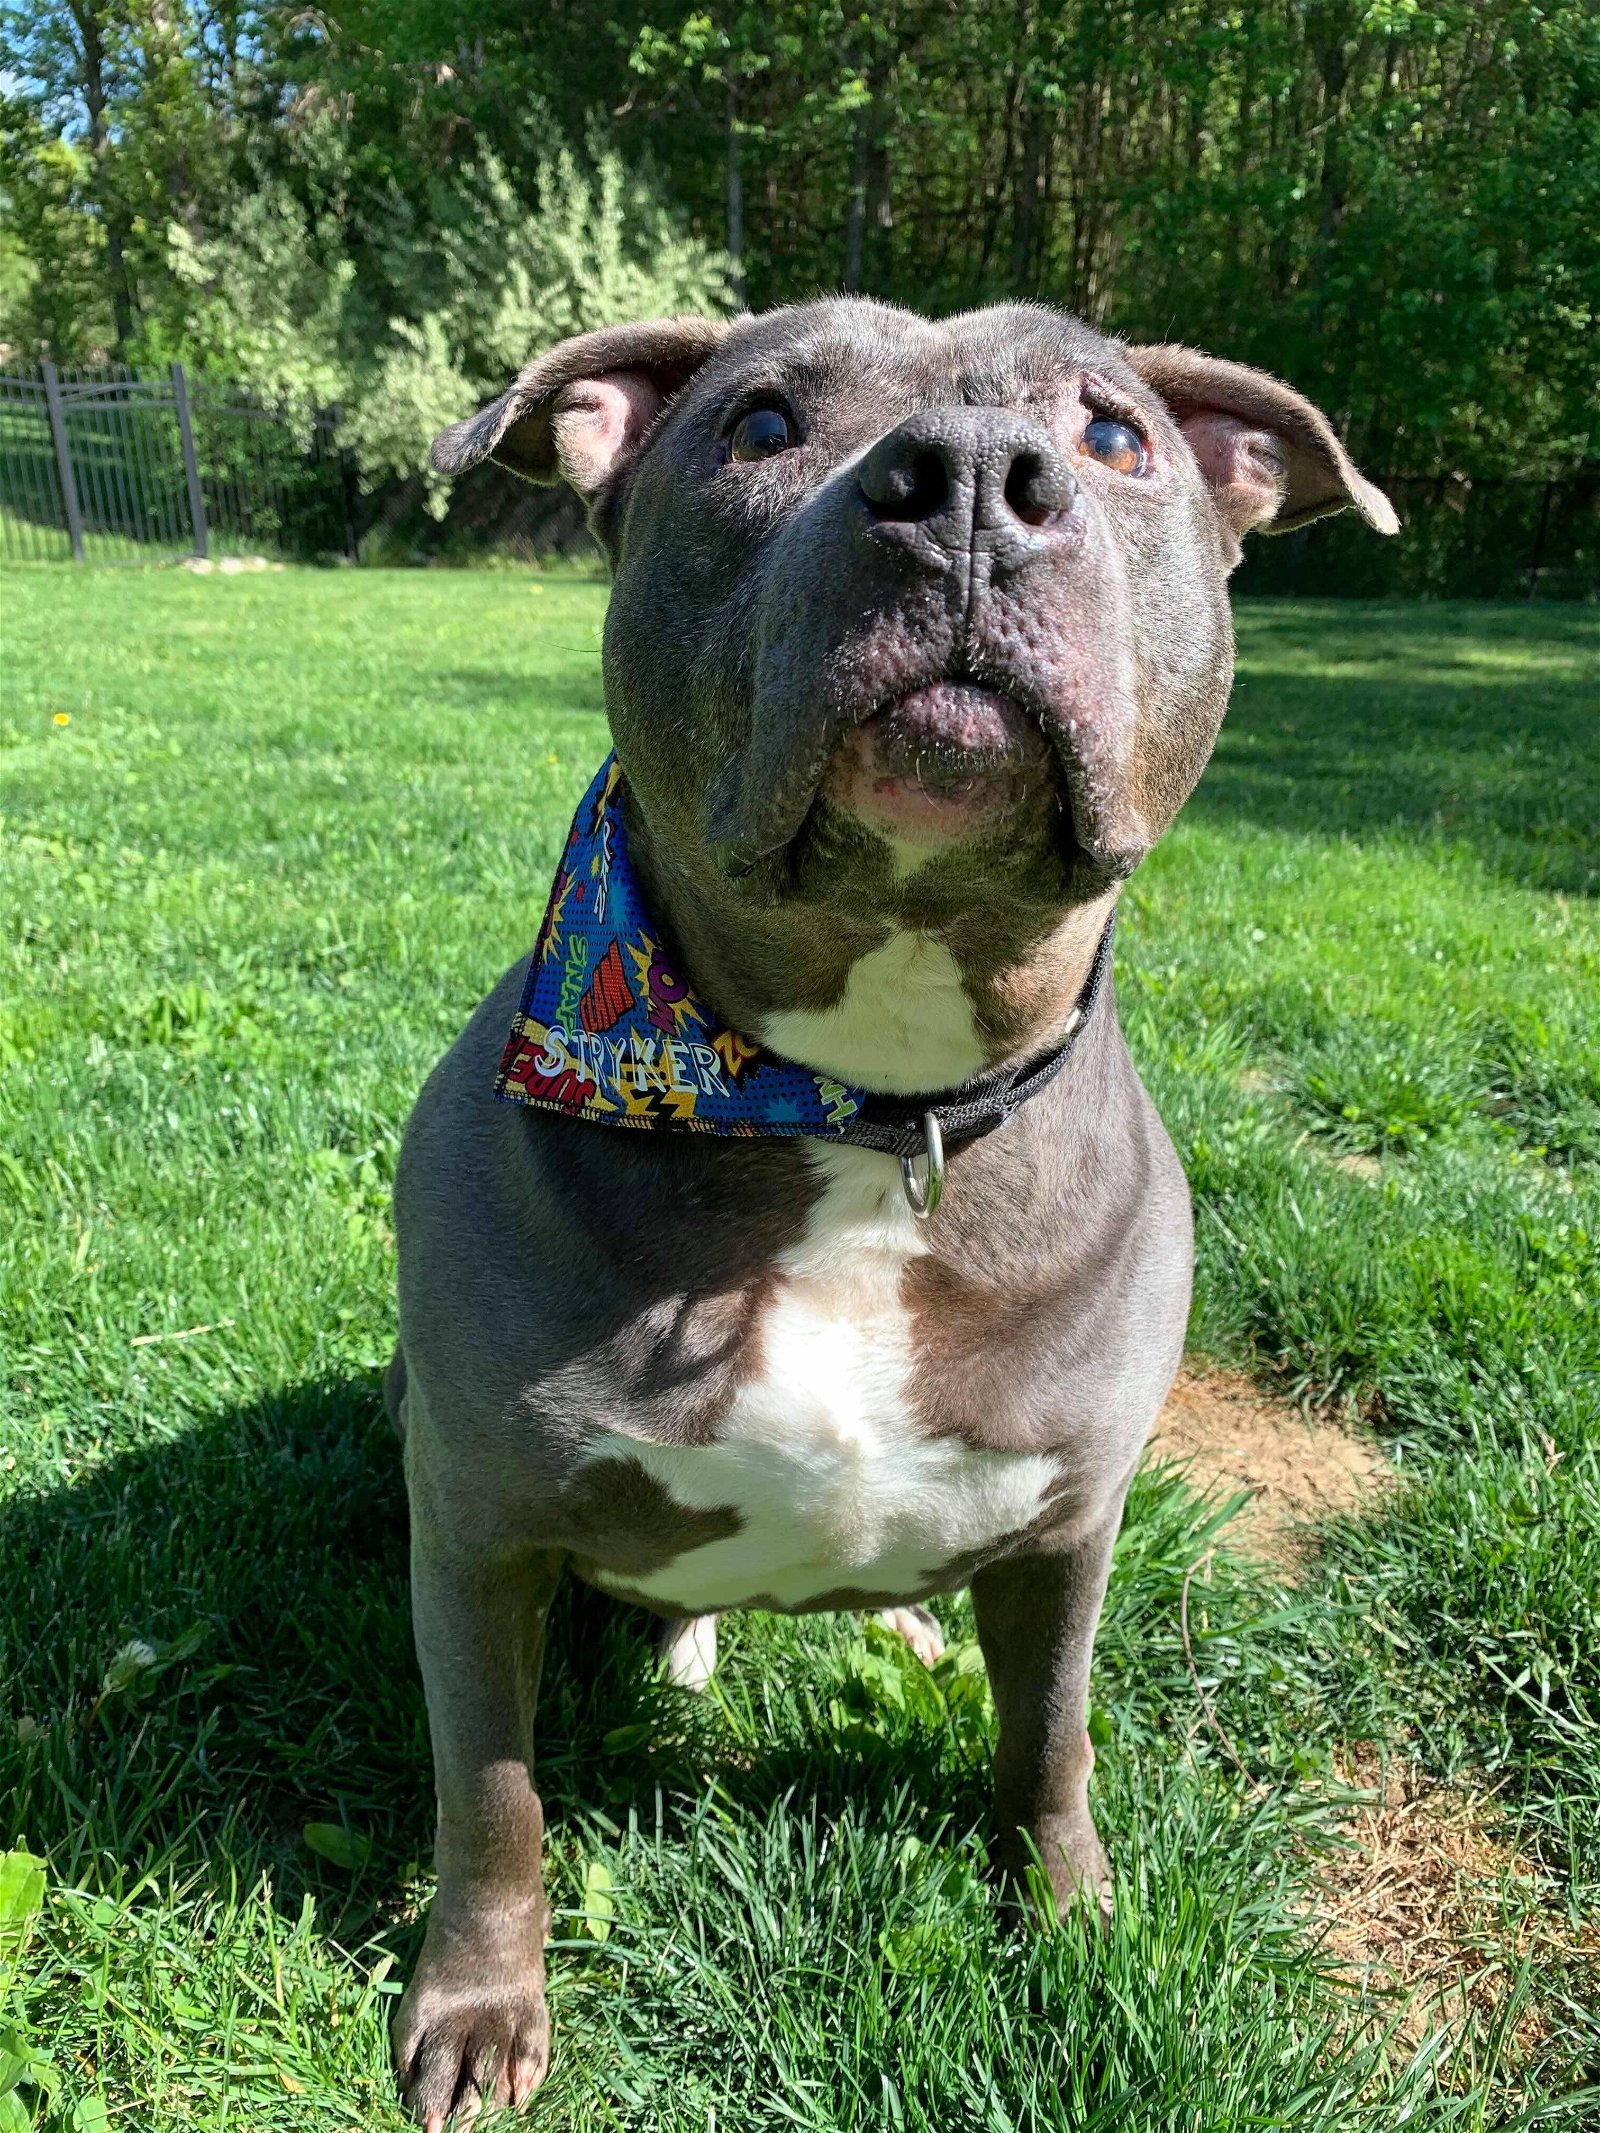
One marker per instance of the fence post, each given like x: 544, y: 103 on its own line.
x: 58, y: 437
x: 1538, y: 542
x: 191, y: 465
x: 332, y: 420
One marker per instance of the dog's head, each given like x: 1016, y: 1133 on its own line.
x: 914, y: 617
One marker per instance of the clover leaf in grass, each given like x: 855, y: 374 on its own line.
x: 332, y: 1841
x: 599, y: 1903
x: 21, y: 1901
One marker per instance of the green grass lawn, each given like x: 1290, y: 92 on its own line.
x: 292, y: 828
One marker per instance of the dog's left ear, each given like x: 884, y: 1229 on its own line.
x: 1270, y: 458
x: 581, y: 411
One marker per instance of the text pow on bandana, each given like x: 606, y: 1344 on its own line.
x: 609, y: 1031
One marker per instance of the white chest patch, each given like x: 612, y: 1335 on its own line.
x: 820, y: 1455
x: 904, y: 1022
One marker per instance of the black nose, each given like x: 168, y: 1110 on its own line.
x: 970, y: 476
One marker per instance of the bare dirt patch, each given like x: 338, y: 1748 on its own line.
x: 1429, y: 1902
x: 1234, y: 1436
x: 1426, y: 1904
x: 1359, y: 1166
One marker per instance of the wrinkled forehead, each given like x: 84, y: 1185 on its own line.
x: 1010, y: 355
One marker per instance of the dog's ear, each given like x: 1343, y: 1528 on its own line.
x: 1269, y: 457
x: 580, y: 411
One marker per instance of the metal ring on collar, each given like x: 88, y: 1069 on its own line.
x: 923, y: 1188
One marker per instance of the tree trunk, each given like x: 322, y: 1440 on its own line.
x: 1243, y: 163
x: 1024, y: 278
x: 880, y: 201
x: 733, y: 179
x: 855, y: 219
x: 867, y: 213
x: 93, y: 62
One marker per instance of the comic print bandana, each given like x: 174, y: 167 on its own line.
x: 610, y: 1031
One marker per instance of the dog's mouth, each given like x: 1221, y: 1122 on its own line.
x: 939, y: 764
x: 932, y: 763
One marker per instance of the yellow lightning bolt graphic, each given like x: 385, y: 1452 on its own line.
x: 557, y: 910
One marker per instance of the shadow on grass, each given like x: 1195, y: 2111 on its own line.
x: 480, y: 687
x: 269, y: 1545
x: 1478, y: 727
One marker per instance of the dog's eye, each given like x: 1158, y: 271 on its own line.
x: 761, y: 433
x: 1114, y: 445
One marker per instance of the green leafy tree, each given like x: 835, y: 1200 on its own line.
x: 598, y: 249
x: 146, y: 92
x: 52, y: 247
x: 487, y: 278
x: 1395, y: 203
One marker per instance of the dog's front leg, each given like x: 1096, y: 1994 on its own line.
x: 472, y: 2028
x: 1036, y: 1617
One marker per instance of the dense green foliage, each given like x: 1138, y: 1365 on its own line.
x: 220, y: 211
x: 1396, y: 203
x: 292, y: 829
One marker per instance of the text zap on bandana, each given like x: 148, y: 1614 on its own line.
x: 609, y: 1031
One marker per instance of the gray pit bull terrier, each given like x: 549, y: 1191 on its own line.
x: 919, y: 638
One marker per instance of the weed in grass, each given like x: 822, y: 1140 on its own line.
x: 1371, y: 1095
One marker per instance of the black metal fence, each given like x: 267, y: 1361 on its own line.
x: 116, y: 465
x: 1461, y: 538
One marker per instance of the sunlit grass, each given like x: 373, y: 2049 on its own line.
x: 294, y: 826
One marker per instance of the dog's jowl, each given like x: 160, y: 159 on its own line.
x: 790, y: 1228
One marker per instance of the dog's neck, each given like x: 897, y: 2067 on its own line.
x: 884, y: 1005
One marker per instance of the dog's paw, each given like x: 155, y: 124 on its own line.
x: 919, y: 1629
x: 688, y: 1650
x: 1066, y: 1854
x: 462, y: 2045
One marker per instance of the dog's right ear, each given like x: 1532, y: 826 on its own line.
x: 581, y: 411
